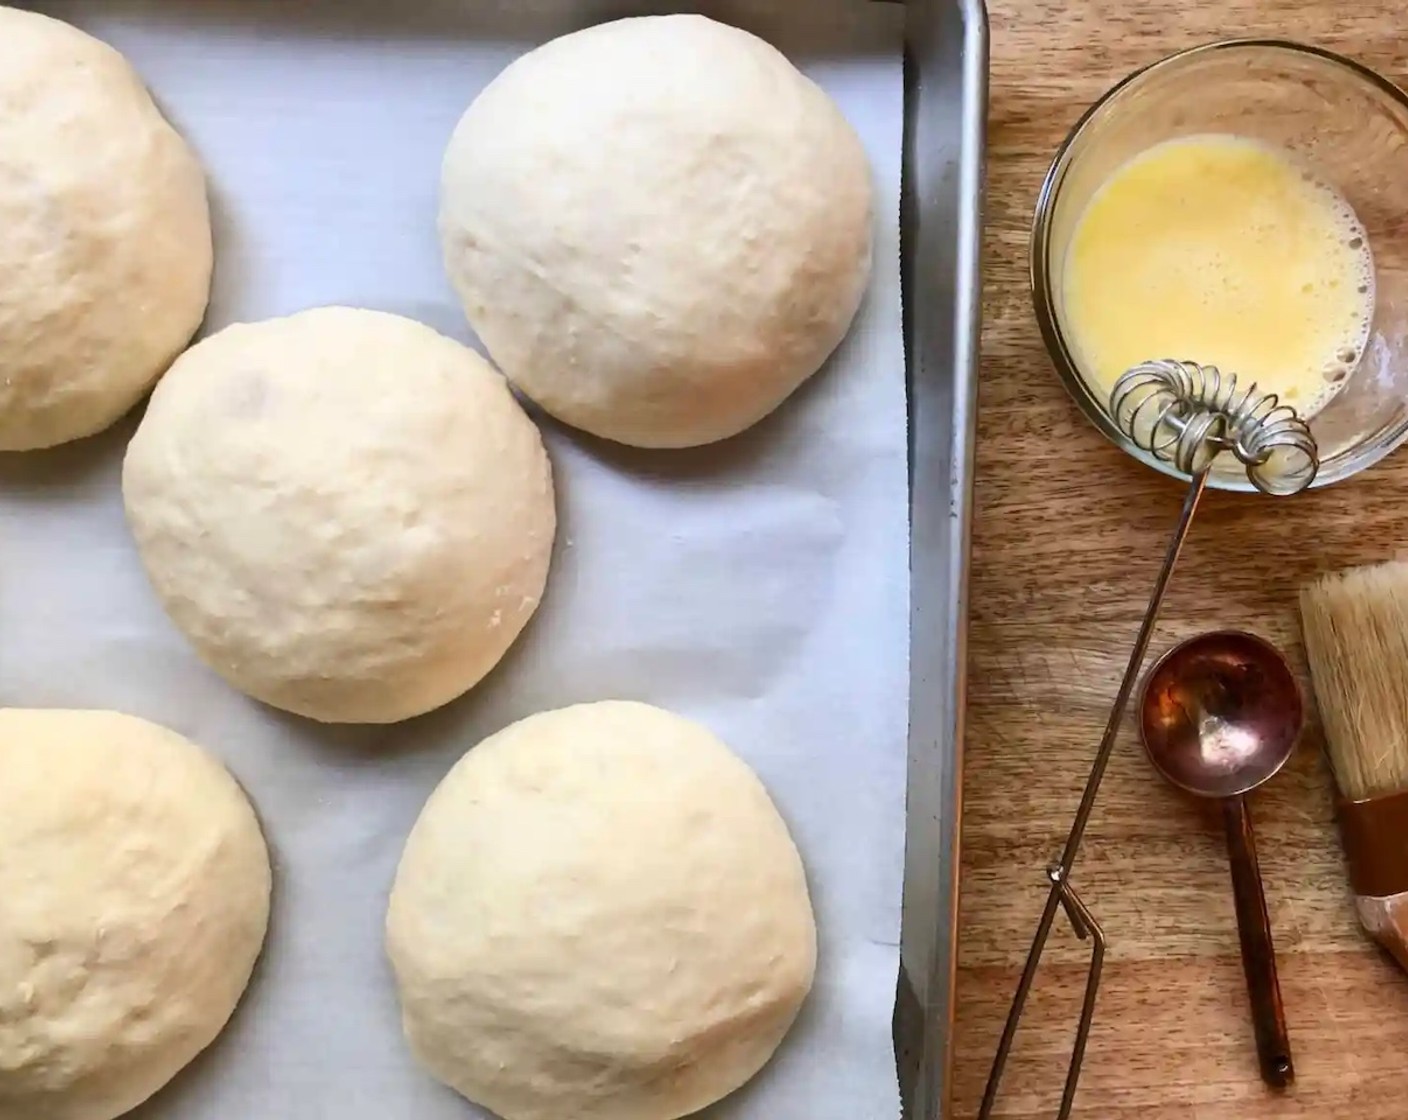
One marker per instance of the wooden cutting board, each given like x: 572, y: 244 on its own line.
x: 1067, y: 539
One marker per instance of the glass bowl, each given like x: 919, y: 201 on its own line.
x: 1338, y: 118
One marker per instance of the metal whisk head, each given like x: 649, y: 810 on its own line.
x: 1186, y: 414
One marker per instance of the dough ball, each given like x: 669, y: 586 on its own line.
x: 599, y: 916
x: 105, y: 251
x: 348, y: 515
x: 134, y: 898
x: 658, y: 226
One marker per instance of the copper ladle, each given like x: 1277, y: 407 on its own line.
x: 1220, y: 715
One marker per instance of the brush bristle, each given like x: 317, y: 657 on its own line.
x: 1356, y: 637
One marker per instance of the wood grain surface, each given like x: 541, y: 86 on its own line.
x: 1067, y: 539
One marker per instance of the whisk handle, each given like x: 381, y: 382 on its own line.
x: 1273, y: 1043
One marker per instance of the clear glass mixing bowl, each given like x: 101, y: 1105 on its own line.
x: 1341, y: 119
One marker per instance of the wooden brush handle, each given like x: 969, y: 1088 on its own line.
x: 1273, y: 1044
x: 1375, y: 835
x: 1386, y: 921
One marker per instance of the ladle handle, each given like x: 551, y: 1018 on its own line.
x: 1258, y: 953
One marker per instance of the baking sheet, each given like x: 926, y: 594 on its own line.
x: 760, y: 587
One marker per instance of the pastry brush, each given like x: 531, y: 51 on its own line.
x: 1356, y: 637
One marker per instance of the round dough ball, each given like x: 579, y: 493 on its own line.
x: 658, y: 226
x: 348, y: 514
x: 134, y: 899
x: 105, y: 251
x: 600, y: 915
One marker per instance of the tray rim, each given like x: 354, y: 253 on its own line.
x: 942, y: 193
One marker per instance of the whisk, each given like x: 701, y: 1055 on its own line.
x: 1187, y: 415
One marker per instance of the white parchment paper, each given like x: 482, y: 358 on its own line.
x: 760, y: 587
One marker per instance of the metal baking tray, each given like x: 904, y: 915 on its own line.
x: 941, y: 210
x: 946, y: 62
